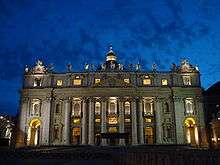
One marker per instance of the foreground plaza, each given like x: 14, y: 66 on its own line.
x: 112, y: 104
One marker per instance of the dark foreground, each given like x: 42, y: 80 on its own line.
x: 136, y: 155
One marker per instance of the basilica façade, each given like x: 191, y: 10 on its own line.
x: 111, y: 105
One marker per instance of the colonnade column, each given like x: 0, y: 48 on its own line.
x: 103, y: 119
x: 67, y: 121
x: 121, y: 120
x: 141, y: 127
x: 134, y: 121
x: 179, y: 117
x: 84, y: 121
x: 91, y: 122
x: 158, y: 115
x: 202, y: 137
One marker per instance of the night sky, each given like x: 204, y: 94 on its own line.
x: 79, y: 32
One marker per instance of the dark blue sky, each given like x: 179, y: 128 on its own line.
x: 142, y: 31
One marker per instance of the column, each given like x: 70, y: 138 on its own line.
x: 67, y: 121
x: 202, y: 138
x: 158, y: 118
x: 84, y: 121
x: 91, y: 122
x: 134, y: 121
x: 141, y: 122
x: 121, y: 120
x: 20, y: 142
x: 103, y: 120
x: 45, y: 111
x: 179, y: 117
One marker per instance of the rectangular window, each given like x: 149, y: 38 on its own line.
x: 59, y: 83
x: 146, y: 80
x: 148, y: 120
x: 77, y: 82
x: 97, y: 80
x: 187, y: 80
x: 164, y: 82
x: 127, y: 80
x: 189, y: 106
x: 97, y: 120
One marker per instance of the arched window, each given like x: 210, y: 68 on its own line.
x: 76, y: 109
x: 112, y: 108
x: 127, y: 108
x: 189, y: 105
x: 97, y: 108
x: 148, y: 108
x: 166, y: 107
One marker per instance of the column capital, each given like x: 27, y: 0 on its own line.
x: 199, y: 99
x: 25, y: 99
x: 178, y: 98
x: 67, y: 99
x: 92, y: 99
x: 159, y: 99
x: 103, y: 99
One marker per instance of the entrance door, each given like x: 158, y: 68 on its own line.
x: 149, y: 135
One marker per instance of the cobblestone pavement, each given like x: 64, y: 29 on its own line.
x: 110, y: 155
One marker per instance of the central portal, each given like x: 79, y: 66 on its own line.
x: 113, y: 138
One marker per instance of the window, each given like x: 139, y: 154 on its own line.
x: 97, y: 120
x: 59, y: 82
x: 164, y: 82
x: 35, y: 107
x: 148, y: 120
x: 76, y: 109
x: 112, y: 108
x: 37, y: 82
x: 127, y: 108
x: 97, y: 108
x: 127, y: 80
x: 146, y: 80
x: 77, y: 82
x: 189, y: 105
x: 97, y: 80
x: 148, y: 108
x: 187, y: 80
x: 112, y: 120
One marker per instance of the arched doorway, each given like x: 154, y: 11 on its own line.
x: 33, y: 138
x: 191, y: 131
